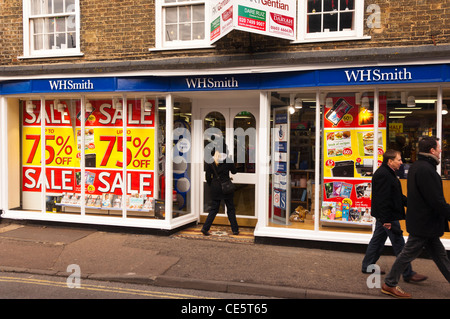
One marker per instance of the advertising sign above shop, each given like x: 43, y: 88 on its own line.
x: 268, y: 17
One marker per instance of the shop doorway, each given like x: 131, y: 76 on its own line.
x: 239, y: 126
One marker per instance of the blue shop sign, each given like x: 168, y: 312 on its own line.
x: 255, y: 81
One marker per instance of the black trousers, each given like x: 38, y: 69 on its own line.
x: 214, y: 209
x: 413, y: 248
x: 376, y: 245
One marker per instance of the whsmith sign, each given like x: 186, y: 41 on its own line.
x: 269, y: 17
x: 408, y: 74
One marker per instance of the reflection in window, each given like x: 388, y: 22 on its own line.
x: 244, y: 142
x: 445, y: 143
x: 411, y: 114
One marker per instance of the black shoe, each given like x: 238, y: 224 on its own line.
x: 205, y: 232
x: 236, y: 233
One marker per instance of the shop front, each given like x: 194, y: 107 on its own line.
x: 131, y: 151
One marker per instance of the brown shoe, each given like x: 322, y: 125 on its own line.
x: 416, y: 278
x: 396, y: 292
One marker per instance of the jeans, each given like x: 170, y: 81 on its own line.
x: 231, y: 213
x: 413, y: 248
x: 376, y: 245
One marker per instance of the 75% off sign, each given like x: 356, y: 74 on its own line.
x: 59, y: 147
x: 139, y: 148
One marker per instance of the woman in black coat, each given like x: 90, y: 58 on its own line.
x: 216, y: 174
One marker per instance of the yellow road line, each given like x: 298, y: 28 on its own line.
x: 100, y: 288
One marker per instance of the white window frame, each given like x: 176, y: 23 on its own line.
x: 162, y: 44
x: 356, y: 34
x: 29, y: 52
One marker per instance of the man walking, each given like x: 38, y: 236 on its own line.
x: 388, y: 207
x: 426, y: 219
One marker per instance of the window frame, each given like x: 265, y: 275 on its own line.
x: 356, y: 34
x: 28, y: 40
x: 161, y: 43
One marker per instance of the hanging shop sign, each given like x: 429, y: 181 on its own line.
x: 350, y: 154
x: 268, y: 17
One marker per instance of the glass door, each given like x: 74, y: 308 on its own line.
x: 238, y: 126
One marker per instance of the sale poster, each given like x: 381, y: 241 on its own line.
x: 351, y: 151
x: 104, y: 150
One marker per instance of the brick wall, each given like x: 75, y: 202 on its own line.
x: 119, y: 30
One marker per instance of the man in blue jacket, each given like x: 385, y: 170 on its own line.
x: 426, y: 219
x: 388, y: 207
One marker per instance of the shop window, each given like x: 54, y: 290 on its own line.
x: 445, y: 143
x: 352, y: 149
x: 96, y: 163
x: 180, y: 24
x: 51, y: 28
x: 330, y: 19
x: 182, y: 160
x: 292, y: 197
x: 411, y: 114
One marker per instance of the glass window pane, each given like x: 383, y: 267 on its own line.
x: 411, y: 114
x: 35, y: 7
x: 198, y: 31
x: 445, y: 145
x: 171, y: 15
x: 198, y: 13
x: 347, y: 4
x: 244, y: 143
x: 346, y: 21
x: 314, y: 23
x: 58, y: 6
x: 330, y: 22
x: 185, y: 14
x: 70, y: 6
x: 291, y: 183
x: 314, y: 6
x: 71, y: 40
x: 171, y: 33
x: 185, y: 32
x: 182, y: 120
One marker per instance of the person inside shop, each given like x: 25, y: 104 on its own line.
x: 388, y: 207
x: 217, y: 172
x: 427, y: 217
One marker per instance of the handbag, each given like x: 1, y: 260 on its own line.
x: 227, y: 186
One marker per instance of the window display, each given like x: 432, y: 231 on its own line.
x: 350, y: 154
x: 113, y: 179
x: 292, y: 193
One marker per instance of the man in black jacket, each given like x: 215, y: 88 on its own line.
x: 426, y: 219
x: 388, y: 207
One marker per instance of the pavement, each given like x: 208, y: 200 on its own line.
x: 186, y: 259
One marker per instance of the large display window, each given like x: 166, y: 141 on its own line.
x: 102, y: 155
x: 292, y: 142
x: 351, y: 145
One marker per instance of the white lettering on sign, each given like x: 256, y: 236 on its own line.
x: 70, y: 85
x: 377, y: 75
x: 211, y: 83
x: 272, y: 3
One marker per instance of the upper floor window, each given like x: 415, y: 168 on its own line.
x: 321, y: 20
x: 51, y: 28
x: 181, y: 23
